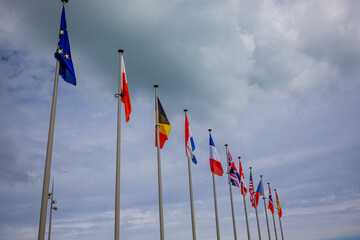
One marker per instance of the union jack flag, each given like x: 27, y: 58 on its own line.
x: 233, y: 173
x: 251, y: 191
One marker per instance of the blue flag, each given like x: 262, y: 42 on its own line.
x: 63, y: 54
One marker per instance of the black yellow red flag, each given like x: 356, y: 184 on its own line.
x: 164, y: 126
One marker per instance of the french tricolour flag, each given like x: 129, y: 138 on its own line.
x: 189, y: 142
x: 215, y: 164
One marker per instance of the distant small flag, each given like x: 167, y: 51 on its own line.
x: 234, y: 175
x: 164, y: 126
x: 125, y: 98
x: 242, y: 179
x: 251, y: 191
x: 259, y: 192
x: 215, y: 164
x: 189, y: 142
x: 271, y: 203
x: 278, y: 205
x: 63, y: 53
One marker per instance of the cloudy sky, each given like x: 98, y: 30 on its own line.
x: 277, y: 80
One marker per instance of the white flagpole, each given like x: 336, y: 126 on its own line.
x: 215, y: 204
x: 46, y: 182
x: 273, y: 219
x: 191, y: 197
x: 246, y: 217
x: 161, y: 215
x: 51, y: 196
x: 231, y: 198
x: 118, y: 145
x: 282, y: 235
x: 257, y: 218
x: 267, y: 221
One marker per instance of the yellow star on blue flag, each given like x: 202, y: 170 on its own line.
x: 63, y: 54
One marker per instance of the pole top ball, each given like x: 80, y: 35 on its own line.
x: 156, y: 86
x: 120, y: 51
x: 185, y: 110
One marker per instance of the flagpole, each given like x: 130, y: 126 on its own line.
x: 273, y: 219
x: 118, y: 145
x: 231, y: 197
x: 46, y: 182
x: 246, y: 217
x: 161, y: 216
x: 267, y: 221
x: 257, y: 218
x: 215, y: 204
x: 51, y: 197
x: 191, y: 196
x: 282, y: 235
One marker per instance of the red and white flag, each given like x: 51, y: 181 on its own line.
x: 242, y: 179
x: 125, y: 98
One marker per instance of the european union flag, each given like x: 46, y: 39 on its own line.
x: 63, y: 54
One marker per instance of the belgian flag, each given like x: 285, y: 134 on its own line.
x: 164, y: 125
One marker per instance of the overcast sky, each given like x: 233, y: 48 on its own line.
x: 276, y: 80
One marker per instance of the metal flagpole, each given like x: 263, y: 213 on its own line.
x: 273, y: 219
x: 118, y: 144
x: 161, y: 216
x: 215, y: 204
x: 46, y: 182
x: 267, y: 221
x: 191, y: 197
x: 231, y: 198
x: 257, y: 218
x: 282, y: 235
x: 246, y: 217
x: 51, y: 197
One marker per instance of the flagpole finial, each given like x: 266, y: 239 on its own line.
x: 120, y: 51
x: 274, y: 189
x: 250, y: 167
x: 64, y: 1
x: 226, y: 145
x: 268, y: 183
x: 261, y: 176
x: 239, y: 158
x: 185, y: 110
x: 209, y: 129
x: 156, y: 86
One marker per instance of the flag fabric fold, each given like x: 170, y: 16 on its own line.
x: 164, y: 126
x: 125, y: 97
x: 251, y: 191
x: 189, y: 142
x: 242, y: 179
x: 215, y: 164
x: 63, y: 53
x: 271, y: 203
x: 259, y: 192
x: 278, y: 205
x: 233, y: 173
